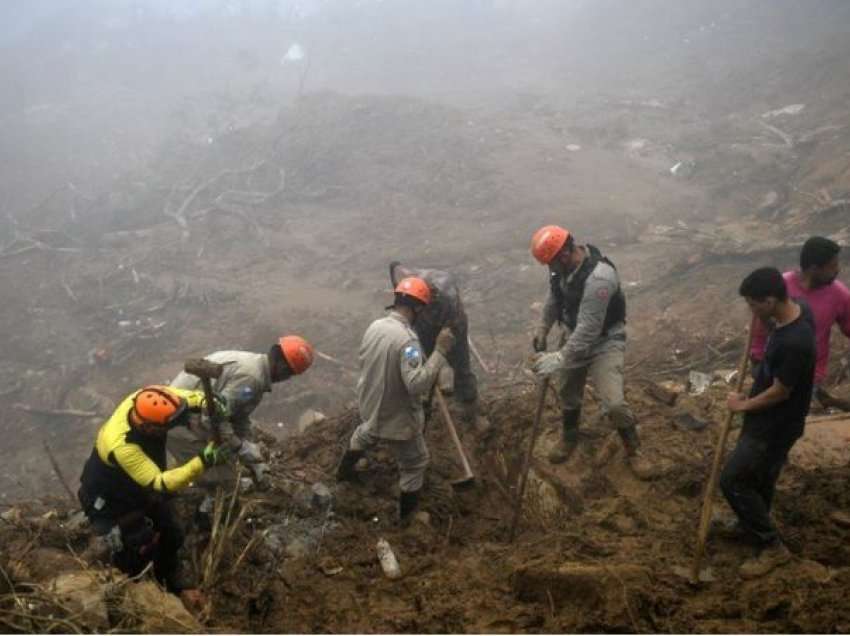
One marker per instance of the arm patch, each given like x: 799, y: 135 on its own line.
x: 412, y: 356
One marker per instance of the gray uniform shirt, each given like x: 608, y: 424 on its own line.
x: 394, y: 377
x: 586, y: 341
x: 243, y: 383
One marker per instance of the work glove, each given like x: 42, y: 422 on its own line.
x: 445, y: 341
x: 539, y: 341
x: 213, y: 455
x: 547, y: 363
x: 222, y: 407
x: 250, y: 453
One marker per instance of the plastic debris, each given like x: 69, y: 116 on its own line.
x: 683, y: 169
x: 698, y: 382
x: 386, y: 556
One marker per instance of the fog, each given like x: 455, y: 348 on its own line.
x: 177, y: 178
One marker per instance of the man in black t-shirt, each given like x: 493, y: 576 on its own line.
x: 774, y: 415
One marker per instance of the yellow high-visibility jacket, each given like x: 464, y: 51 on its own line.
x: 125, y: 463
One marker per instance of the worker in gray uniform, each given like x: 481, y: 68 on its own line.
x: 245, y: 379
x: 395, y: 376
x: 586, y: 298
x: 446, y: 310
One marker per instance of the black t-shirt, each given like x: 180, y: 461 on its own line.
x: 790, y: 358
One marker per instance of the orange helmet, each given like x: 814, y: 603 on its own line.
x: 156, y: 409
x: 297, y: 352
x: 415, y: 288
x: 547, y: 242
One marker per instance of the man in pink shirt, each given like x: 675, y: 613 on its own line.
x: 829, y: 299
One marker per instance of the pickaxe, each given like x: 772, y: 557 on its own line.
x: 207, y: 371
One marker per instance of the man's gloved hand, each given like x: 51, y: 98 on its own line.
x: 250, y: 453
x: 213, y: 455
x: 445, y: 341
x: 547, y: 363
x: 222, y: 407
x: 539, y: 341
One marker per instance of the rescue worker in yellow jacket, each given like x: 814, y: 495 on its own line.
x: 125, y: 486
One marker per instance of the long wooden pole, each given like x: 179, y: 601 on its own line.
x: 711, y: 487
x: 535, y: 430
x: 467, y: 471
x: 477, y: 355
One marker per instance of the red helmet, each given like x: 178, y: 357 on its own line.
x: 547, y: 242
x: 415, y: 288
x: 297, y: 352
x: 156, y: 409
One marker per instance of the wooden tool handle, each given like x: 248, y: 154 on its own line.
x: 450, y: 425
x: 711, y: 487
x: 535, y: 430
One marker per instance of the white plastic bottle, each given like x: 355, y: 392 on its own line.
x: 387, y: 558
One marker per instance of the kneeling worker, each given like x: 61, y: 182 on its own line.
x: 246, y: 379
x: 125, y: 487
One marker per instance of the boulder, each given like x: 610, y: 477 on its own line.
x: 156, y: 611
x: 85, y: 595
x: 309, y: 418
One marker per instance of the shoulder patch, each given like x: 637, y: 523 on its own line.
x: 412, y: 356
x: 245, y: 393
x: 602, y: 293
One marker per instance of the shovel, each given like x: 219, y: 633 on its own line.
x: 468, y: 479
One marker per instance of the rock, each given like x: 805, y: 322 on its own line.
x: 297, y: 548
x: 422, y: 518
x: 322, y: 497
x: 12, y: 515
x: 310, y: 418
x: 77, y: 521
x: 329, y: 566
x: 156, y: 611
x: 85, y: 594
x: 661, y: 393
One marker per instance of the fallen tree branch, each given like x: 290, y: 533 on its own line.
x: 58, y: 472
x: 783, y: 135
x: 180, y: 215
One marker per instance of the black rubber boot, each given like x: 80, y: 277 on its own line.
x: 408, y: 502
x: 345, y: 471
x: 569, y: 437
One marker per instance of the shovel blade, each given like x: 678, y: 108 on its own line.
x: 464, y: 483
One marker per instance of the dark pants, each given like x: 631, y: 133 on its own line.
x: 149, y: 535
x: 748, y: 482
x: 465, y: 382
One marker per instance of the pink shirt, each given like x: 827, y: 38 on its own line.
x: 829, y: 305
